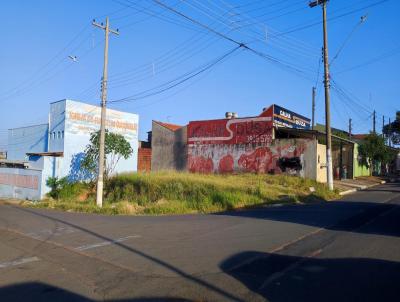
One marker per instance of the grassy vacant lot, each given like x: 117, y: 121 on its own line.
x: 179, y: 193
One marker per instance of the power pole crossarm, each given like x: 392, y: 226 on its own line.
x: 317, y: 2
x: 107, y: 31
x: 100, y: 25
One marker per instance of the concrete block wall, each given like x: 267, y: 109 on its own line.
x: 169, y: 148
x: 20, y: 183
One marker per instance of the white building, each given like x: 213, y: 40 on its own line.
x: 56, y: 149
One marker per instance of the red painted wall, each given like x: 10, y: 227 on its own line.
x: 232, y: 131
x: 242, y: 145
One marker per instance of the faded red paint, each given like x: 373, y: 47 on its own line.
x: 201, y: 164
x: 22, y: 181
x: 232, y: 131
x: 226, y: 164
x: 256, y: 161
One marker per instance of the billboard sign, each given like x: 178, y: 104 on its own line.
x: 289, y: 119
x: 84, y: 119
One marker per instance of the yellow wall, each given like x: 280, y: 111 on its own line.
x: 321, y: 163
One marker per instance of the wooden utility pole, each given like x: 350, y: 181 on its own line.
x: 329, y: 165
x: 107, y: 30
x: 313, y: 109
x: 350, y: 128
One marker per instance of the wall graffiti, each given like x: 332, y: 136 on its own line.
x: 282, y: 156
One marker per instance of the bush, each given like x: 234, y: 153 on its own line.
x: 63, y: 189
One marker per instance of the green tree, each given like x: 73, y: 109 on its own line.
x: 373, y: 148
x: 116, y: 147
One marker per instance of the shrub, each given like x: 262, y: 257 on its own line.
x: 63, y: 189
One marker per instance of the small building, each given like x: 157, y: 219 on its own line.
x: 235, y: 144
x: 56, y: 149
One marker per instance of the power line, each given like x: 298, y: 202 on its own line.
x: 371, y: 61
x: 173, y: 83
x: 362, y: 20
x: 34, y: 76
x: 302, y: 27
x: 241, y: 44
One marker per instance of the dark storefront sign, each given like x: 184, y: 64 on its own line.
x: 289, y: 119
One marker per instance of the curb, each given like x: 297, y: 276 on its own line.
x: 360, y: 188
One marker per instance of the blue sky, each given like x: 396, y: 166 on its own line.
x: 155, y: 47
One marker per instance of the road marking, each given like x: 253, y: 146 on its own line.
x: 281, y: 273
x: 104, y: 243
x: 18, y: 262
x: 58, y: 231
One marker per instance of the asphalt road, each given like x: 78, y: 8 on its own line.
x: 347, y: 250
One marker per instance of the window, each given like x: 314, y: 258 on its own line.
x: 59, y: 134
x: 62, y: 134
x: 54, y: 135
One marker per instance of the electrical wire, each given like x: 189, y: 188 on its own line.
x: 362, y: 20
x: 175, y: 82
x: 241, y: 44
x: 330, y: 18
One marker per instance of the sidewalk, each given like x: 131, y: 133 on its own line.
x: 347, y: 186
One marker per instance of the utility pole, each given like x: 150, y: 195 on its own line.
x: 390, y: 134
x: 350, y: 128
x: 374, y: 122
x: 107, y: 30
x: 329, y: 165
x: 383, y: 126
x: 313, y: 108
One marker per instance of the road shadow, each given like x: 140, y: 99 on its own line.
x: 353, y: 213
x: 281, y: 278
x: 191, y: 278
x: 41, y: 292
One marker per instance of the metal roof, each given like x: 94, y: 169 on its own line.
x: 313, y: 133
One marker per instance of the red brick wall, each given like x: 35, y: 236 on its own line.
x: 144, y: 160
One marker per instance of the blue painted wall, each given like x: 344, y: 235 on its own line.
x: 26, y: 139
x: 68, y: 131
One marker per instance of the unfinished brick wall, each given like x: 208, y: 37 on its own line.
x: 144, y: 159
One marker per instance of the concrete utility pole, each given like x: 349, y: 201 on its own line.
x: 313, y: 108
x: 350, y: 128
x: 107, y: 30
x: 329, y: 165
x: 374, y: 123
